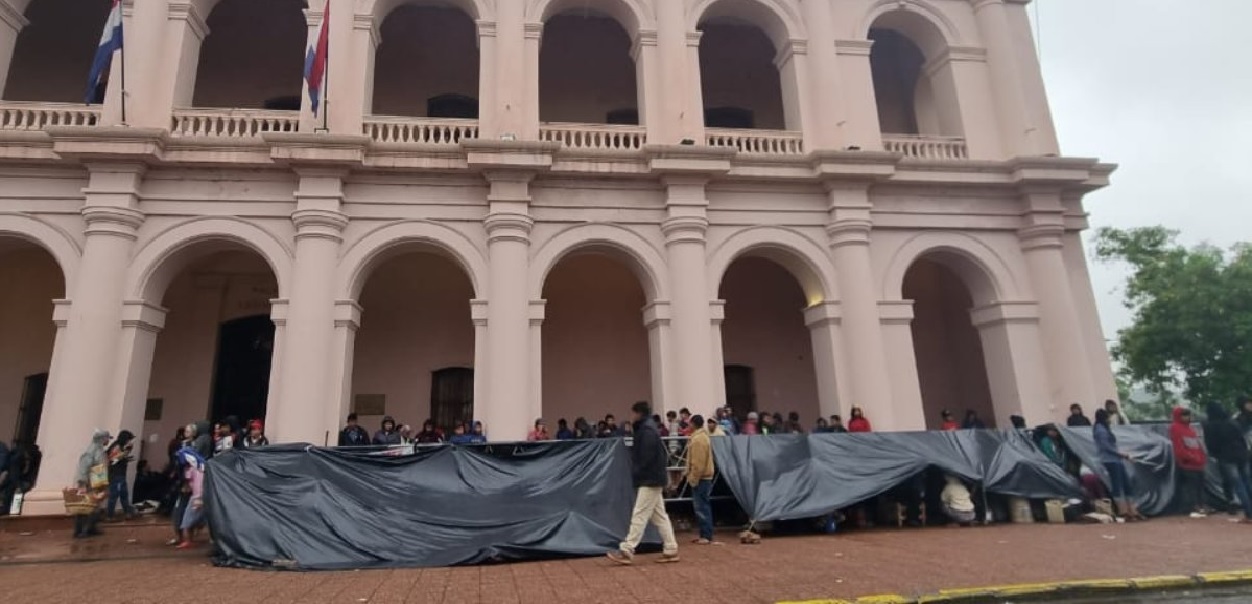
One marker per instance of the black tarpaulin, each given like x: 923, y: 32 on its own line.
x: 311, y: 508
x: 1151, y: 471
x: 801, y: 476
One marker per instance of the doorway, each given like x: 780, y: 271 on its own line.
x: 241, y: 382
x: 452, y: 397
x: 740, y: 389
x: 31, y: 409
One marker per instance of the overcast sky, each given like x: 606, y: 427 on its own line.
x: 1162, y: 88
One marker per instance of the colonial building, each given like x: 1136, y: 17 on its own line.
x: 511, y: 209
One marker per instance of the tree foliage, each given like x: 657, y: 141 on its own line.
x: 1192, y: 314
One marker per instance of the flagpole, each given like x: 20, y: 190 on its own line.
x: 326, y: 73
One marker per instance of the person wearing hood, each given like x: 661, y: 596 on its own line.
x: 1049, y: 439
x: 202, y: 438
x: 193, y: 474
x: 120, y: 454
x: 972, y: 421
x: 92, y: 461
x: 1190, y: 459
x: 387, y: 435
x: 430, y: 434
x: 1227, y: 445
x: 649, y: 460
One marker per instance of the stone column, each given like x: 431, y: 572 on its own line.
x: 897, y: 328
x: 78, y: 398
x: 858, y: 89
x: 308, y: 121
x: 516, y: 86
x: 1041, y: 241
x: 823, y: 321
x: 656, y: 318
x: 508, y: 224
x: 527, y: 127
x: 488, y: 126
x: 12, y: 23
x: 278, y: 315
x: 535, y: 395
x: 849, y: 233
x: 478, y: 314
x: 964, y: 100
x: 186, y: 31
x: 692, y: 126
x: 1103, y: 382
x: 1042, y: 137
x: 684, y: 231
x: 822, y: 127
x: 141, y: 324
x: 147, y: 92
x: 1016, y: 371
x: 365, y: 41
x: 793, y: 70
x: 679, y: 79
x: 1018, y: 133
x: 346, y: 68
x: 300, y: 414
x: 717, y: 316
x: 347, y: 316
x: 648, y: 81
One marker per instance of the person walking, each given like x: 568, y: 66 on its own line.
x: 1226, y: 444
x: 1113, y: 461
x: 92, y: 467
x: 120, y: 454
x: 648, y: 461
x: 700, y: 472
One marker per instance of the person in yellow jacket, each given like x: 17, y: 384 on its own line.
x: 700, y: 473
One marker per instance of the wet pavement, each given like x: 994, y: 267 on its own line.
x: 130, y: 564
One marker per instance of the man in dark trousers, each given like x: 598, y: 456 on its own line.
x: 648, y: 471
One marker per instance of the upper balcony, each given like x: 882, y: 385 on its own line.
x: 590, y: 76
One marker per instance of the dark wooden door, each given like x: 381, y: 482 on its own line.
x: 740, y: 389
x: 241, y: 383
x: 31, y: 409
x: 452, y: 397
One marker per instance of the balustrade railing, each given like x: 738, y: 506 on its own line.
x: 766, y: 142
x: 412, y: 130
x: 926, y: 147
x: 37, y: 116
x: 609, y: 137
x: 231, y: 123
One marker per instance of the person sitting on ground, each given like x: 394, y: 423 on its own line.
x: 1116, y: 417
x: 793, y: 423
x: 859, y: 423
x: 562, y: 430
x: 225, y: 438
x: 957, y: 503
x: 1190, y: 458
x: 540, y: 432
x: 972, y: 422
x: 256, y: 435
x: 750, y: 426
x: 1114, y: 460
x: 1229, y: 448
x: 836, y: 425
x: 429, y: 435
x: 353, y: 435
x: 1048, y: 437
x: 1076, y: 418
x: 948, y: 423
x: 460, y: 436
x: 387, y: 434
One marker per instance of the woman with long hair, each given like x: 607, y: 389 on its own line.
x: 1113, y: 461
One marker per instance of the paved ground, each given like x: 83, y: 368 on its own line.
x: 130, y: 565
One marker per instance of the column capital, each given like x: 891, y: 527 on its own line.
x: 347, y: 314
x: 717, y: 312
x: 112, y: 220
x: 823, y: 314
x: 895, y: 312
x: 536, y: 312
x: 508, y: 226
x: 142, y: 315
x: 790, y: 49
x: 533, y: 31
x: 278, y: 311
x: 185, y: 10
x: 693, y: 38
x: 642, y: 38
x: 854, y: 48
x: 657, y: 314
x: 685, y: 229
x: 1041, y: 236
x: 997, y: 313
x: 319, y: 224
x: 849, y: 231
x: 486, y: 29
x: 367, y: 24
x: 61, y: 310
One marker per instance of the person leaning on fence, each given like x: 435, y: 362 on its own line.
x: 700, y: 472
x: 648, y: 473
x: 1113, y: 461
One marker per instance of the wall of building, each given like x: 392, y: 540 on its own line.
x: 32, y: 281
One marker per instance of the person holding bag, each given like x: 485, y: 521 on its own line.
x: 91, y: 484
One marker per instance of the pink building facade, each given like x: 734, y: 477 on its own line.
x: 514, y: 209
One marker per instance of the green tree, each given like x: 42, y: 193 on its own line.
x: 1192, y: 309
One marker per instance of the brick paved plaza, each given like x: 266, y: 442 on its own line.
x: 49, y: 567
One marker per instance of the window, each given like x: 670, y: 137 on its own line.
x: 626, y: 117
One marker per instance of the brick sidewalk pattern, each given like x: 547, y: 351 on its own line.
x: 130, y: 565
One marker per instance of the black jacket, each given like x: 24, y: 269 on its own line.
x: 1077, y: 420
x: 1223, y: 438
x: 648, y: 456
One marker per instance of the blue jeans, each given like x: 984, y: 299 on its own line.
x: 118, y: 489
x: 1237, y: 476
x: 701, y: 501
x: 1119, y: 481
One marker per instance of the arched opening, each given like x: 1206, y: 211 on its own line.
x: 52, y: 57
x: 951, y: 367
x: 427, y: 64
x: 253, y: 57
x: 213, y: 357
x: 740, y: 78
x: 413, y: 357
x: 595, y: 346
x: 586, y: 72
x: 27, y: 334
x: 766, y: 346
x: 914, y: 96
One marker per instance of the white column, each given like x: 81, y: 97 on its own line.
x: 535, y: 398
x: 1041, y: 243
x: 309, y: 122
x: 527, y: 127
x: 347, y: 72
x: 793, y: 72
x: 823, y: 321
x: 1016, y: 371
x: 141, y: 324
x: 897, y: 328
x: 679, y: 79
x: 827, y: 110
x: 961, y: 85
x: 343, y: 349
x: 12, y: 23
x: 1103, y: 383
x: 516, y: 86
x: 684, y: 231
x: 1042, y: 136
x: 77, y: 399
x: 365, y: 41
x: 849, y: 233
x: 717, y: 316
x: 861, y: 127
x: 648, y: 84
x: 186, y: 31
x: 488, y: 126
x: 692, y: 126
x: 508, y: 224
x: 478, y: 314
x: 147, y: 92
x: 1018, y: 134
x: 278, y: 315
x: 656, y: 318
x: 300, y: 413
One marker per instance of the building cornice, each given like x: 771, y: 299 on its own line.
x: 857, y: 48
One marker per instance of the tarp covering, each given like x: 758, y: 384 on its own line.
x: 801, y: 476
x: 1151, y: 472
x: 304, y: 507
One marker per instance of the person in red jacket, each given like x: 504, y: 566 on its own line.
x: 1190, y: 457
x: 858, y: 423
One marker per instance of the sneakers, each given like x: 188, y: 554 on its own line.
x: 621, y: 557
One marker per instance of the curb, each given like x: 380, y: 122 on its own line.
x: 1057, y: 589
